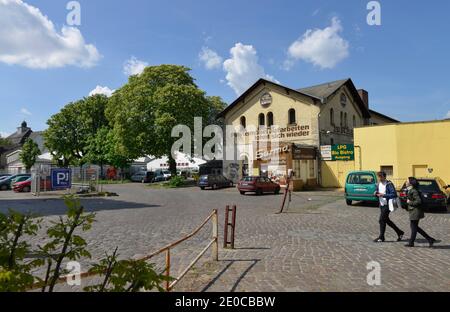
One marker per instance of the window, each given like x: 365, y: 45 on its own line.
x: 342, y: 119
x: 270, y: 119
x: 360, y: 178
x: 343, y: 99
x: 389, y: 171
x: 312, y: 169
x: 292, y: 117
x: 354, y: 121
x: 345, y: 120
x: 262, y: 120
x: 297, y: 168
x: 332, y: 142
x: 332, y: 117
x: 243, y: 122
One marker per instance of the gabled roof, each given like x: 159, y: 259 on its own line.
x: 259, y: 82
x: 326, y: 90
x: 372, y: 112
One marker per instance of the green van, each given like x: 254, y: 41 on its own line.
x: 361, y: 186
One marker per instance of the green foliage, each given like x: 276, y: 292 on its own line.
x: 4, y: 142
x: 126, y: 276
x: 30, y: 152
x: 176, y: 181
x: 70, y: 130
x: 64, y: 242
x: 15, y: 272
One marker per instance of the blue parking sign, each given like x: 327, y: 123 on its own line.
x: 61, y: 178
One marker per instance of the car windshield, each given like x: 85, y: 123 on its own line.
x: 361, y: 179
x: 166, y: 172
x: 247, y: 179
x: 204, y: 178
x: 428, y: 186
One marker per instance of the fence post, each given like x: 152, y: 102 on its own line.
x: 168, y: 269
x: 225, y: 228
x: 215, y: 233
x: 233, y: 226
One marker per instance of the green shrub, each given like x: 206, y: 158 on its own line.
x: 176, y: 182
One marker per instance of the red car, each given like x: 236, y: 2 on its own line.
x: 258, y: 185
x: 25, y: 186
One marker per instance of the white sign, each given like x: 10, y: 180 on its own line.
x: 325, y: 151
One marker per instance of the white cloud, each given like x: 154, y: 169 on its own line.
x: 210, y: 58
x: 4, y: 134
x: 448, y: 115
x: 102, y: 90
x: 25, y: 111
x: 133, y: 66
x: 322, y: 47
x: 29, y: 38
x: 243, y: 69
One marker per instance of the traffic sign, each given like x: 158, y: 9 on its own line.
x: 61, y: 178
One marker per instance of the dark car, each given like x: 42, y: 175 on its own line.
x: 6, y: 184
x: 258, y: 185
x: 214, y: 181
x: 434, y: 192
x: 143, y: 177
x: 4, y: 175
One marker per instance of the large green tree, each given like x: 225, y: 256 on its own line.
x: 144, y: 111
x: 29, y: 154
x: 72, y: 130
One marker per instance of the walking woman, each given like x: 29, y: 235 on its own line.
x: 416, y: 212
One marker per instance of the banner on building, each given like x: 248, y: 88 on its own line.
x: 339, y: 152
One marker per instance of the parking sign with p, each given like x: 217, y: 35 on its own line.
x: 61, y: 179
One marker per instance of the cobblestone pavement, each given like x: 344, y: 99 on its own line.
x: 319, y: 244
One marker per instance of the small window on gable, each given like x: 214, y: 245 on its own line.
x: 343, y: 99
x: 243, y: 122
x: 292, y: 117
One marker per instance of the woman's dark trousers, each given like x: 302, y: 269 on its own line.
x: 416, y: 229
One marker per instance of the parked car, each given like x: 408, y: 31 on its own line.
x: 258, y: 185
x: 435, y: 194
x: 162, y: 175
x: 6, y: 184
x: 25, y: 186
x: 214, y: 181
x: 4, y: 175
x: 361, y: 186
x: 143, y: 177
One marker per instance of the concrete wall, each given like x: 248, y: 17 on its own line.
x: 334, y: 173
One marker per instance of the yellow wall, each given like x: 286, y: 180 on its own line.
x: 334, y: 173
x: 404, y: 146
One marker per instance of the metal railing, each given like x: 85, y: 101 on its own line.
x: 214, y: 242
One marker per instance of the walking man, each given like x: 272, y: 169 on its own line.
x: 385, y: 192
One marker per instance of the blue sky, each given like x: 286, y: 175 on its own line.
x: 403, y: 63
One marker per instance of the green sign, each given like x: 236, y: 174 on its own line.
x: 345, y: 152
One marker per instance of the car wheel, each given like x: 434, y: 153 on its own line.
x: 214, y: 186
x: 3, y: 188
x: 242, y: 193
x: 202, y: 188
x: 259, y: 192
x: 349, y: 202
x: 26, y: 189
x: 277, y: 191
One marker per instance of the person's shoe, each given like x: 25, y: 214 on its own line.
x: 400, y: 237
x: 431, y: 242
x: 409, y: 245
x: 379, y: 240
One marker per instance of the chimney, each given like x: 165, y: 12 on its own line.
x: 364, y: 97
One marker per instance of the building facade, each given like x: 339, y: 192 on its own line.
x: 281, y: 129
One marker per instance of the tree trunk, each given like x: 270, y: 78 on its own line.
x: 172, y: 166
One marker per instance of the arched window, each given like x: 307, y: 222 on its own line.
x: 292, y: 117
x: 345, y: 120
x: 342, y: 119
x: 343, y: 99
x: 262, y: 120
x: 270, y: 119
x: 243, y: 122
x: 332, y: 117
x: 354, y: 121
